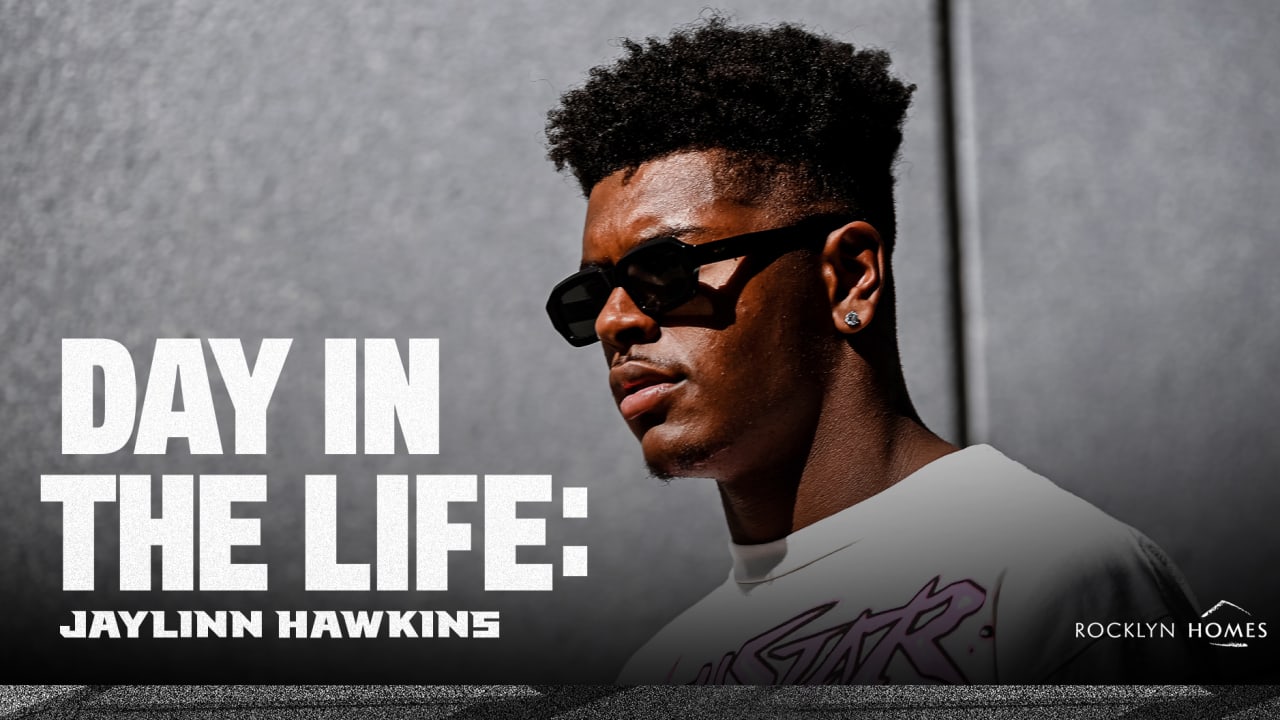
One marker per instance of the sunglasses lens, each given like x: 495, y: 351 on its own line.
x: 657, y: 280
x: 576, y: 303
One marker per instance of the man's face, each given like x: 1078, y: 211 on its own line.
x: 731, y: 383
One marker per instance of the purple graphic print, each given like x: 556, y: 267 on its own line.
x: 858, y: 651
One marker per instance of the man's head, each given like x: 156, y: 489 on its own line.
x: 713, y: 133
x: 805, y: 115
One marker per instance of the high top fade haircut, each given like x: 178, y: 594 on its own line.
x: 796, y: 113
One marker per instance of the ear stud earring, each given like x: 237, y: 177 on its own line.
x: 852, y: 319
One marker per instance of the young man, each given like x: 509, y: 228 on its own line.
x: 736, y: 271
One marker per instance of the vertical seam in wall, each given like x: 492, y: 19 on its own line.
x: 961, y: 193
x: 951, y: 200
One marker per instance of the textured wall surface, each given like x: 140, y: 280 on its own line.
x: 1127, y: 160
x: 312, y: 170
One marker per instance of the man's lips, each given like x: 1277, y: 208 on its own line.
x: 644, y: 400
x: 640, y: 388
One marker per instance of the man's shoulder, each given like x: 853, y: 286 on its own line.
x: 1066, y: 561
x: 1059, y: 560
x: 1043, y: 531
x: 1003, y: 500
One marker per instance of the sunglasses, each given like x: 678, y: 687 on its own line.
x: 662, y: 274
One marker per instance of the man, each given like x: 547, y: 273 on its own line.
x: 736, y: 271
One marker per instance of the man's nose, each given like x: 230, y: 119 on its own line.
x: 621, y: 323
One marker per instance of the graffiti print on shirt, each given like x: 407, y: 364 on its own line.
x: 858, y: 651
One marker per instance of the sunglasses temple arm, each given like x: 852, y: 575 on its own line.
x: 813, y: 229
x: 733, y: 247
x: 744, y: 244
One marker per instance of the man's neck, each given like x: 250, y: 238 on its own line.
x: 847, y: 462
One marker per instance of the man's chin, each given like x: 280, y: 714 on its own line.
x: 669, y: 458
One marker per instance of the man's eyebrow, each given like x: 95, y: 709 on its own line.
x: 678, y: 232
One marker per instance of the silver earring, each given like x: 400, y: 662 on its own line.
x: 852, y: 319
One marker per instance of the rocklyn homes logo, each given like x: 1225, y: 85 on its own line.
x: 1221, y: 630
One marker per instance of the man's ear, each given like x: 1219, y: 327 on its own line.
x: 853, y: 267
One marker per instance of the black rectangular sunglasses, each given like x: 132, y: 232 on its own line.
x: 662, y: 274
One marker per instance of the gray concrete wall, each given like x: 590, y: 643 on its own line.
x: 331, y: 169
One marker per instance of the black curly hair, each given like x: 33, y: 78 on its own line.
x: 782, y: 101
